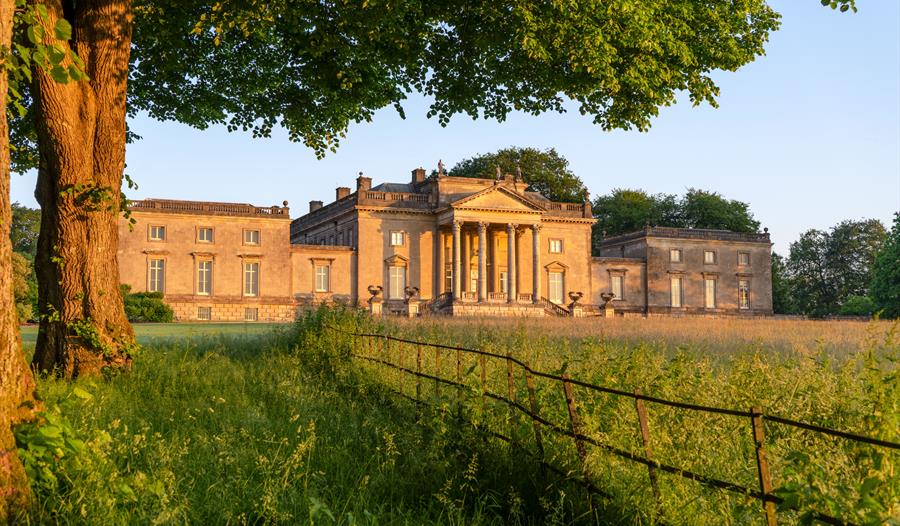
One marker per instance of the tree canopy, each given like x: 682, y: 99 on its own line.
x: 545, y: 171
x: 826, y: 269
x: 314, y: 68
x: 625, y: 210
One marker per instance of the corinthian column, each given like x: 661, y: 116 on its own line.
x: 457, y: 283
x: 482, y: 261
x: 536, y: 263
x: 511, y: 261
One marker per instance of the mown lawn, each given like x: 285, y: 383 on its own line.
x: 149, y: 332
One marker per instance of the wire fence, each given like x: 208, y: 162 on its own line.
x: 378, y: 349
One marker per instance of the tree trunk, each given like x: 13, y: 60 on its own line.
x: 81, y: 137
x: 17, y: 401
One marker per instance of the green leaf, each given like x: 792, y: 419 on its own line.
x: 62, y: 30
x: 81, y: 393
x: 59, y: 74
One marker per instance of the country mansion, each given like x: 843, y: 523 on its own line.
x: 434, y: 245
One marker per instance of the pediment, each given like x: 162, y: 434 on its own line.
x: 397, y: 261
x: 497, y: 198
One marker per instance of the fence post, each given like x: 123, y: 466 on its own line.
x: 576, y: 430
x: 762, y: 465
x: 459, y: 393
x: 437, y: 374
x: 644, y: 424
x: 511, y: 387
x: 418, y: 381
x: 481, y: 361
x: 532, y: 400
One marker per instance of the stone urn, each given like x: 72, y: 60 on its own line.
x: 606, y: 297
x: 375, y: 291
x: 575, y: 296
x: 411, y: 293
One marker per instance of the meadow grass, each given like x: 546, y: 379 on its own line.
x: 282, y: 426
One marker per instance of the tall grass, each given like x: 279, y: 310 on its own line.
x: 286, y: 427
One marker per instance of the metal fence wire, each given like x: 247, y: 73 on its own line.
x: 377, y: 349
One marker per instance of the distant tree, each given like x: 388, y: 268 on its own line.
x: 810, y: 276
x: 852, y: 248
x: 624, y: 210
x: 782, y: 295
x: 545, y: 171
x: 827, y: 268
x: 702, y: 209
x: 885, y: 288
x: 24, y: 287
x: 24, y: 229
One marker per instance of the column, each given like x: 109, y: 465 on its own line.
x: 536, y: 263
x: 482, y: 261
x: 439, y: 262
x: 457, y: 283
x: 511, y: 261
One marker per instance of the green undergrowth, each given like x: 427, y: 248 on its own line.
x: 286, y: 427
x: 263, y: 429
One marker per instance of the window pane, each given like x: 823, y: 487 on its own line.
x: 743, y: 258
x: 504, y: 282
x: 744, y: 294
x: 251, y: 237
x: 556, y: 287
x: 204, y: 277
x: 157, y: 278
x: 396, y: 282
x: 205, y: 235
x: 709, y: 256
x: 556, y: 246
x: 322, y: 278
x: 396, y: 239
x: 251, y: 279
x: 710, y: 293
x: 676, y: 292
x: 617, y: 287
x: 204, y: 313
x: 251, y: 314
x: 158, y: 233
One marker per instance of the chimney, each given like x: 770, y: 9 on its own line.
x: 418, y: 175
x: 363, y: 183
x: 341, y: 192
x: 315, y: 205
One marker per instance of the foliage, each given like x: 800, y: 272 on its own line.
x: 287, y: 428
x: 545, y: 171
x: 314, y: 68
x: 858, y: 306
x: 885, y: 288
x: 24, y: 229
x: 624, y: 210
x: 826, y: 268
x: 24, y: 287
x: 782, y: 296
x: 146, y: 306
x: 702, y: 209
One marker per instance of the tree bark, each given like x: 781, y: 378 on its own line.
x: 17, y: 399
x: 81, y: 138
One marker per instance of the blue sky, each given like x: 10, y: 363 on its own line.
x: 809, y: 135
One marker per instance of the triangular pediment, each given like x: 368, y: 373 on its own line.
x: 497, y: 198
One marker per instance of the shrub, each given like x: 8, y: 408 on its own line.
x: 858, y: 306
x: 146, y: 306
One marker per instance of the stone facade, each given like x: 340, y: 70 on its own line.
x: 515, y: 252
